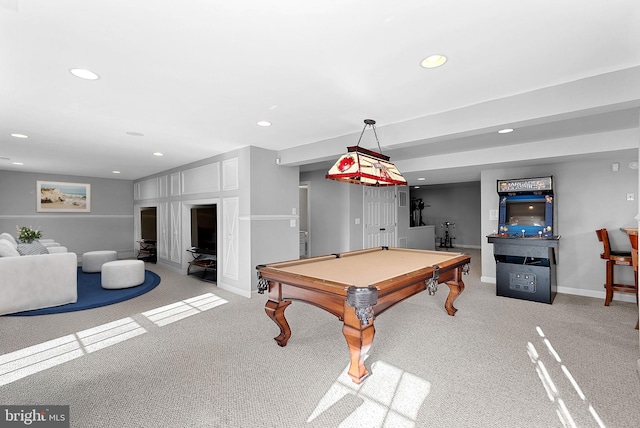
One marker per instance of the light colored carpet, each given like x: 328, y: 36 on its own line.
x: 220, y: 366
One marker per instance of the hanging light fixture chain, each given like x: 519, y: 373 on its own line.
x: 361, y: 134
x: 372, y: 124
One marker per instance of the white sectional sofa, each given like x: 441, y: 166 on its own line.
x: 36, y: 281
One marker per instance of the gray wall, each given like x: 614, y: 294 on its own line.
x: 457, y: 203
x: 335, y: 209
x: 421, y: 238
x: 588, y: 196
x: 109, y: 225
x: 274, y: 210
x: 267, y: 229
x: 330, y: 214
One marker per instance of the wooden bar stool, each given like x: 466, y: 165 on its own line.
x: 633, y: 238
x: 614, y: 258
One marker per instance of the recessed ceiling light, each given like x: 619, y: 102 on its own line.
x: 158, y: 154
x: 17, y: 163
x: 264, y: 123
x: 19, y: 135
x: 433, y: 61
x: 135, y: 134
x: 421, y: 179
x: 505, y: 131
x: 84, y: 74
x: 115, y: 172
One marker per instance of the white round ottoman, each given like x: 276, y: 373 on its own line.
x: 92, y: 261
x: 122, y: 274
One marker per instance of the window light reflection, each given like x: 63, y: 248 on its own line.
x: 109, y: 334
x: 19, y: 364
x: 556, y: 389
x: 176, y: 311
x: 389, y: 397
x: 25, y: 362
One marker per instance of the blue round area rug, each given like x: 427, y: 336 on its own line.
x: 92, y: 295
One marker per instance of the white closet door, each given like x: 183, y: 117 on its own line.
x: 163, y: 231
x: 175, y: 252
x: 380, y: 214
x: 231, y: 236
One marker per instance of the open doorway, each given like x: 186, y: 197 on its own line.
x: 204, y: 229
x: 202, y: 236
x: 148, y: 234
x: 304, y: 211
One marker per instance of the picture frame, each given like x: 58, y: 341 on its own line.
x: 62, y: 197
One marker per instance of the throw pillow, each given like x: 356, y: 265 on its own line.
x: 8, y: 250
x: 9, y: 238
x: 32, y: 249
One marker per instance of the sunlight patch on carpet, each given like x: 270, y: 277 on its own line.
x: 19, y: 364
x: 24, y: 362
x: 27, y: 361
x: 389, y: 397
x: 109, y: 334
x: 176, y: 311
x: 562, y: 388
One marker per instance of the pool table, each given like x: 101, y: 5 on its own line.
x: 358, y: 286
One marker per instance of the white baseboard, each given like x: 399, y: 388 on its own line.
x: 621, y: 297
x: 234, y: 290
x: 170, y: 267
x: 125, y: 254
x: 219, y: 284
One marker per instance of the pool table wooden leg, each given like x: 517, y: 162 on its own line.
x: 456, y: 286
x: 359, y: 339
x: 275, y: 311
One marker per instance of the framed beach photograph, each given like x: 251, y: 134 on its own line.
x: 60, y: 197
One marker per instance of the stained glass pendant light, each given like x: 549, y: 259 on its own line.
x: 366, y: 167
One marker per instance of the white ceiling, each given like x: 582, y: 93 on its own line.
x: 195, y: 76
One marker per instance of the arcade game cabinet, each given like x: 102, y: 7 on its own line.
x: 525, y: 246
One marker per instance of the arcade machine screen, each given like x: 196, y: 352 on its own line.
x: 526, y: 207
x: 526, y: 214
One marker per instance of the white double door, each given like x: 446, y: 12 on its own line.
x: 380, y: 216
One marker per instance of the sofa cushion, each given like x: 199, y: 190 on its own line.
x: 8, y: 250
x: 37, y: 282
x: 32, y: 249
x: 9, y: 239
